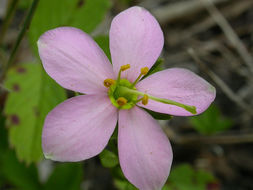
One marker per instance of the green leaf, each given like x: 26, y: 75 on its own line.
x: 159, y: 116
x: 103, y: 42
x: 211, y: 121
x: 184, y: 177
x: 124, y: 185
x: 83, y: 14
x: 33, y: 94
x: 108, y: 159
x: 18, y: 174
x: 67, y: 176
x: 155, y: 68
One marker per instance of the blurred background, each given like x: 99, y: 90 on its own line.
x: 213, y: 38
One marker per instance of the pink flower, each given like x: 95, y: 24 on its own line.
x: 81, y: 127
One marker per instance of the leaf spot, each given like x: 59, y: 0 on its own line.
x: 14, y: 119
x: 80, y: 3
x: 16, y: 87
x: 21, y: 70
x: 36, y: 111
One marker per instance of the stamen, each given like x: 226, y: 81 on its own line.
x: 125, y: 67
x: 144, y: 71
x: 108, y: 82
x: 122, y: 68
x: 121, y: 101
x: 145, y: 99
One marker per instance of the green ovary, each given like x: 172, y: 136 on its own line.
x: 115, y: 91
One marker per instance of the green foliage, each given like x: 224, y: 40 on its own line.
x: 67, y: 176
x: 89, y: 13
x: 24, y: 4
x: 210, y: 122
x: 159, y: 116
x: 108, y: 159
x: 18, y: 174
x: 12, y: 171
x: 120, y: 181
x: 103, y: 42
x: 33, y: 94
x: 124, y: 185
x: 83, y: 14
x: 3, y: 135
x: 184, y: 177
x: 25, y: 177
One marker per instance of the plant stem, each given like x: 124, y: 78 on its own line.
x: 21, y: 35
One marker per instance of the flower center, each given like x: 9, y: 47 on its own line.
x: 124, y: 95
x: 122, y: 99
x: 118, y: 90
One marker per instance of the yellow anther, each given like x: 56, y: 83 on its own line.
x: 125, y: 67
x: 121, y: 101
x: 144, y: 70
x: 144, y: 100
x: 109, y: 82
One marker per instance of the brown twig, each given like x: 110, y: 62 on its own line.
x: 214, y: 139
x: 179, y: 9
x: 230, y: 11
x: 229, y: 33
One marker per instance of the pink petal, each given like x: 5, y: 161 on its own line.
x: 144, y: 150
x: 74, y: 60
x: 78, y: 128
x: 136, y: 39
x: 180, y: 85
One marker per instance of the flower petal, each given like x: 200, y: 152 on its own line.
x: 136, y: 39
x: 144, y: 150
x: 78, y: 128
x: 180, y: 85
x: 74, y: 60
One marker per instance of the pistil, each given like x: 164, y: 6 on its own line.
x: 189, y: 108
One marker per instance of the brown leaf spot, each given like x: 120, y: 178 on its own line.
x: 16, y: 87
x: 80, y: 3
x: 21, y: 70
x: 36, y: 111
x: 14, y: 119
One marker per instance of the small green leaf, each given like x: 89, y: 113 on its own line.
x: 159, y: 116
x: 155, y: 68
x: 33, y: 94
x: 184, y: 177
x: 108, y: 159
x: 67, y: 176
x: 103, y: 42
x: 124, y: 185
x: 211, y: 121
